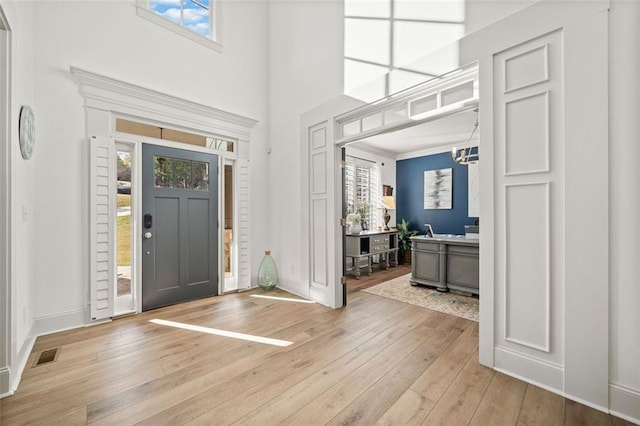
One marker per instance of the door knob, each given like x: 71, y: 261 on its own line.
x: 148, y: 235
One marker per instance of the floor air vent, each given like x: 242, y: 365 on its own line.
x: 46, y: 357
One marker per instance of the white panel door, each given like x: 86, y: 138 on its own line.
x: 324, y: 211
x: 528, y: 159
x: 544, y: 196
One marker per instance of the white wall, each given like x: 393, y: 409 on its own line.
x: 624, y: 132
x: 21, y: 21
x: 481, y: 13
x: 305, y: 70
x: 108, y: 38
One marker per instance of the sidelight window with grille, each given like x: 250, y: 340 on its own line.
x: 362, y: 190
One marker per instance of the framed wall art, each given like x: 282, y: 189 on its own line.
x: 438, y: 189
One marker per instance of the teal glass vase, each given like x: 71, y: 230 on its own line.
x: 267, y: 272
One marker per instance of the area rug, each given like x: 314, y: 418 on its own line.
x: 448, y: 303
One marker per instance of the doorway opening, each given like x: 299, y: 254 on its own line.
x: 401, y: 153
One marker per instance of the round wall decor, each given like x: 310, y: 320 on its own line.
x: 27, y: 131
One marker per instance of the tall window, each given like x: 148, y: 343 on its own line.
x: 363, y: 190
x: 384, y: 38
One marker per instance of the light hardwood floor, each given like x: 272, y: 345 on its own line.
x: 377, y: 361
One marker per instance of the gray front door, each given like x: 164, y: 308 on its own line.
x: 179, y: 226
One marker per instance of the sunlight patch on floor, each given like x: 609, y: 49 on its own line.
x: 284, y: 299
x: 224, y: 333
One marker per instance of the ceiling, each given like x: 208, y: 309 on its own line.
x: 444, y: 132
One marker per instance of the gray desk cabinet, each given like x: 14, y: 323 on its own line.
x: 446, y: 263
x: 366, y: 245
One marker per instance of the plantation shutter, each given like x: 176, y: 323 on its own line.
x: 362, y: 190
x: 102, y: 238
x: 244, y: 256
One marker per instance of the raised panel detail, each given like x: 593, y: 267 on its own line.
x: 318, y: 138
x: 319, y: 255
x: 319, y: 173
x: 527, y: 265
x: 527, y: 135
x: 526, y: 69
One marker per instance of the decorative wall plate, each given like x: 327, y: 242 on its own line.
x: 27, y: 130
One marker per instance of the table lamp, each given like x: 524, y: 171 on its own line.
x: 388, y: 203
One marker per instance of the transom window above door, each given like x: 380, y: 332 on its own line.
x: 157, y: 132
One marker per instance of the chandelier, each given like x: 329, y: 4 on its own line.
x: 469, y: 155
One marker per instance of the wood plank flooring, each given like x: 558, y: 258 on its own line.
x: 377, y: 361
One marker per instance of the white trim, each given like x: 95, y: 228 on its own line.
x: 7, y: 305
x: 5, y: 381
x: 21, y: 360
x: 107, y: 98
x: 404, y: 100
x: 545, y: 374
x: 59, y: 322
x: 624, y: 402
x: 211, y: 43
x: 109, y: 94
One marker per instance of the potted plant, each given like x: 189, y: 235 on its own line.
x: 404, y: 241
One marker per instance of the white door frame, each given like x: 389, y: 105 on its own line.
x: 7, y: 314
x: 106, y: 99
x: 321, y: 233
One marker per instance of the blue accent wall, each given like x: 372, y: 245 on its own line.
x: 410, y: 195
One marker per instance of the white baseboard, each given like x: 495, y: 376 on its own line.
x: 531, y: 370
x: 5, y: 382
x: 22, y: 358
x: 61, y: 322
x: 624, y: 402
x: 291, y: 288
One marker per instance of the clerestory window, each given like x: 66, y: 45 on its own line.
x: 194, y: 19
x: 384, y: 39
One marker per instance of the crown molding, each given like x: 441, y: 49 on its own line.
x: 110, y: 94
